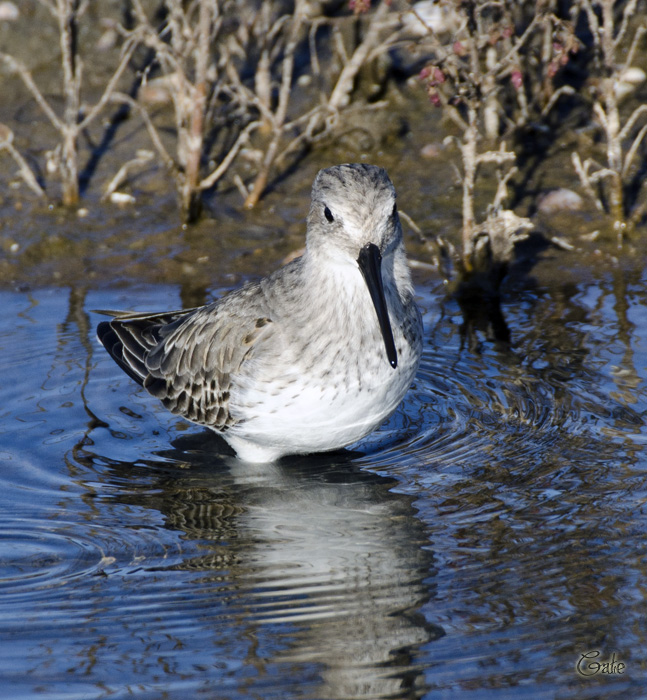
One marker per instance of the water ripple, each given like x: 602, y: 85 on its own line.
x: 498, y: 513
x: 464, y: 407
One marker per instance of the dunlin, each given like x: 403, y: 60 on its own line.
x: 313, y: 357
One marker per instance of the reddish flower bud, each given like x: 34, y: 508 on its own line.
x: 516, y: 79
x: 459, y: 49
x: 359, y: 6
x: 439, y: 76
x: 434, y: 97
x: 424, y: 73
x: 508, y: 31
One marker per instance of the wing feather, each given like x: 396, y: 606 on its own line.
x: 187, y: 358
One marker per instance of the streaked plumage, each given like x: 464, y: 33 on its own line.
x: 311, y: 358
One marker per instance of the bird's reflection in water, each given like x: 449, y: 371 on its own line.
x: 327, y: 559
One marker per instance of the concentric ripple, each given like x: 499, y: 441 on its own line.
x: 497, y: 514
x: 465, y: 408
x: 35, y: 557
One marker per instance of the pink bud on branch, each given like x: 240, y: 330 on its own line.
x: 516, y: 79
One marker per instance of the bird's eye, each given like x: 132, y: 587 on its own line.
x: 328, y: 215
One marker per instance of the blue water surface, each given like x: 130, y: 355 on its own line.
x: 477, y: 545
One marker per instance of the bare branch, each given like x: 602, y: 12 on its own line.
x: 627, y: 13
x: 349, y: 72
x: 635, y: 115
x: 502, y: 188
x: 278, y: 119
x: 603, y: 174
x: 238, y: 181
x: 110, y: 88
x: 601, y: 115
x: 582, y: 173
x: 638, y: 35
x: 150, y: 127
x: 563, y: 90
x: 142, y: 158
x: 513, y: 54
x: 226, y: 162
x: 633, y: 151
x: 20, y: 68
x: 6, y: 144
x: 498, y: 157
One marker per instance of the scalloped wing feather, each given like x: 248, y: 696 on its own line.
x: 186, y: 359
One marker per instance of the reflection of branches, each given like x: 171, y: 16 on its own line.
x: 624, y: 375
x: 67, y: 14
x: 79, y: 317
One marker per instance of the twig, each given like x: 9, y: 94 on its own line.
x: 238, y: 181
x: 624, y: 133
x: 499, y: 157
x: 344, y: 84
x: 6, y: 144
x: 634, y: 45
x: 582, y: 173
x: 168, y: 161
x: 502, y: 187
x: 563, y: 90
x: 513, y: 54
x: 127, y: 53
x: 20, y: 68
x: 226, y: 162
x: 633, y: 150
x: 627, y: 13
x: 143, y: 157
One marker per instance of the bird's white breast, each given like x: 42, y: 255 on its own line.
x: 335, y: 384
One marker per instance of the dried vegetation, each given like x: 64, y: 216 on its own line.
x: 257, y: 84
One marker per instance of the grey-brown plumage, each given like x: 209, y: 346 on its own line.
x: 312, y: 357
x: 186, y: 358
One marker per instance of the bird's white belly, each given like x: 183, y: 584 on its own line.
x: 311, y: 416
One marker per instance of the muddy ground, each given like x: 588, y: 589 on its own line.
x: 99, y: 243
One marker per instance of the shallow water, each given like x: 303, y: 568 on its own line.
x: 476, y: 545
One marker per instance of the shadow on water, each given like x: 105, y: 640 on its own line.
x: 318, y: 561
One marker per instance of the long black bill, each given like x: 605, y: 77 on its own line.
x: 370, y: 263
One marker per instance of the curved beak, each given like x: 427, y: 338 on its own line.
x: 370, y: 263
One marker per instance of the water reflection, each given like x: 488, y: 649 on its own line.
x: 135, y: 559
x: 323, y: 564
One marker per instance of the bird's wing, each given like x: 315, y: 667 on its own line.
x: 129, y: 337
x: 187, y: 358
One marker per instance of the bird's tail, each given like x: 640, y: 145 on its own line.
x: 129, y: 337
